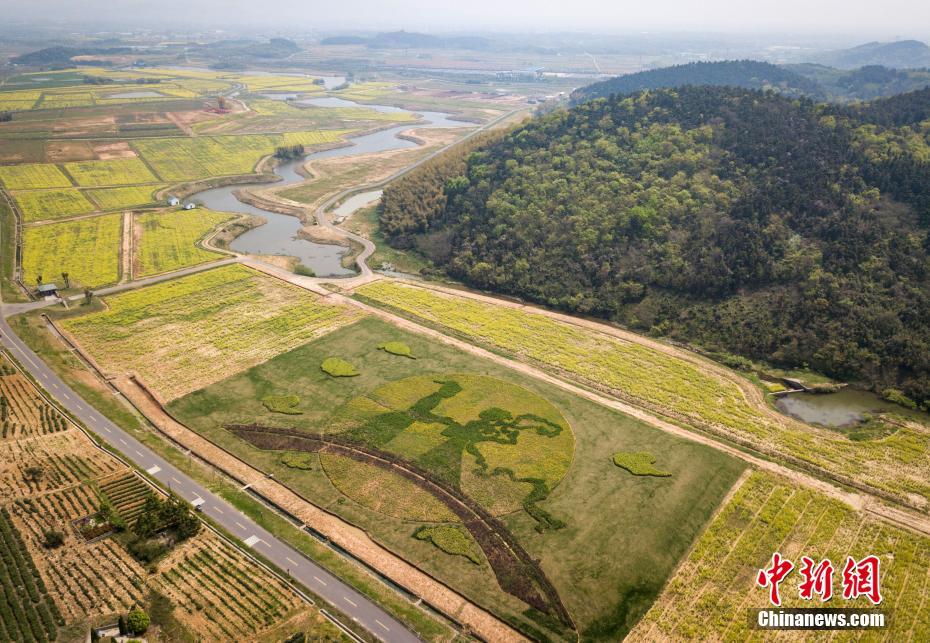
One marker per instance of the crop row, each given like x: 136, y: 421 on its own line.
x: 27, y: 613
x: 210, y: 581
x: 708, y: 595
x: 666, y: 384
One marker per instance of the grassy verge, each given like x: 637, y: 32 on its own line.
x: 31, y: 329
x: 8, y: 289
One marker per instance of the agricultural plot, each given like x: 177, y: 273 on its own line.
x: 713, y: 587
x: 168, y: 240
x: 87, y: 249
x: 85, y: 578
x: 124, y: 197
x: 23, y: 413
x: 606, y: 577
x: 27, y: 613
x: 184, y: 159
x: 221, y: 594
x: 669, y: 385
x: 42, y: 464
x: 110, y: 172
x: 39, y: 205
x: 126, y: 493
x: 220, y: 322
x: 33, y: 176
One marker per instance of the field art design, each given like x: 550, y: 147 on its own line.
x: 220, y: 321
x: 687, y: 390
x: 87, y: 249
x: 426, y: 429
x: 168, y: 240
x: 716, y: 582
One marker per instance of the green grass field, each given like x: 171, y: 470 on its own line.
x: 623, y: 534
x: 167, y: 240
x: 110, y: 172
x: 219, y: 322
x: 39, y: 205
x: 33, y: 176
x: 87, y: 249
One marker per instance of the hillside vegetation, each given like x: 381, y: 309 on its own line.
x: 739, y: 219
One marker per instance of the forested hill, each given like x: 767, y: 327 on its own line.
x: 750, y: 74
x: 742, y: 220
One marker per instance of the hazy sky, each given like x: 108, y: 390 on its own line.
x: 878, y: 18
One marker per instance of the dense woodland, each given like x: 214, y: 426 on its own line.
x: 742, y: 220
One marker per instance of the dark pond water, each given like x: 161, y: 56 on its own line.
x: 842, y: 409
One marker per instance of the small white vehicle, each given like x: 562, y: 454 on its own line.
x: 198, y: 503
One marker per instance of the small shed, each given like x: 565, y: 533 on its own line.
x: 47, y: 290
x: 173, y: 200
x: 189, y: 206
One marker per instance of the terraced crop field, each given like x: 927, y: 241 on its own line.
x: 708, y: 595
x: 85, y: 579
x: 123, y: 197
x: 109, y: 172
x: 39, y: 205
x: 126, y: 493
x: 168, y: 240
x: 27, y: 612
x: 221, y: 594
x: 23, y: 413
x: 87, y: 249
x: 33, y: 176
x: 185, y: 159
x: 62, y: 459
x: 669, y: 385
x: 220, y: 322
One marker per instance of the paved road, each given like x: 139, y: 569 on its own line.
x: 305, y: 572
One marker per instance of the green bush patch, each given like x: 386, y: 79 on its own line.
x: 338, y: 367
x: 397, y: 348
x: 286, y: 404
x: 298, y: 460
x: 452, y: 540
x: 639, y: 463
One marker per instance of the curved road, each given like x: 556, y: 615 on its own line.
x: 306, y: 573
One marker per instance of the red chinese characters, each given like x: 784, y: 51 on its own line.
x: 861, y: 579
x: 772, y: 576
x: 817, y: 580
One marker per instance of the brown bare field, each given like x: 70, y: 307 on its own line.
x: 120, y: 150
x: 63, y: 151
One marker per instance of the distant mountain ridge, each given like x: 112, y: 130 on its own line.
x: 810, y: 80
x: 746, y: 74
x: 903, y: 54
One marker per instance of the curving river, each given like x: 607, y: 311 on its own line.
x: 279, y: 235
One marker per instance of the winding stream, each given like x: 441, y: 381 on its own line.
x: 279, y: 235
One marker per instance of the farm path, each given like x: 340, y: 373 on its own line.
x: 349, y: 601
x: 858, y: 500
x: 126, y: 248
x: 354, y: 540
